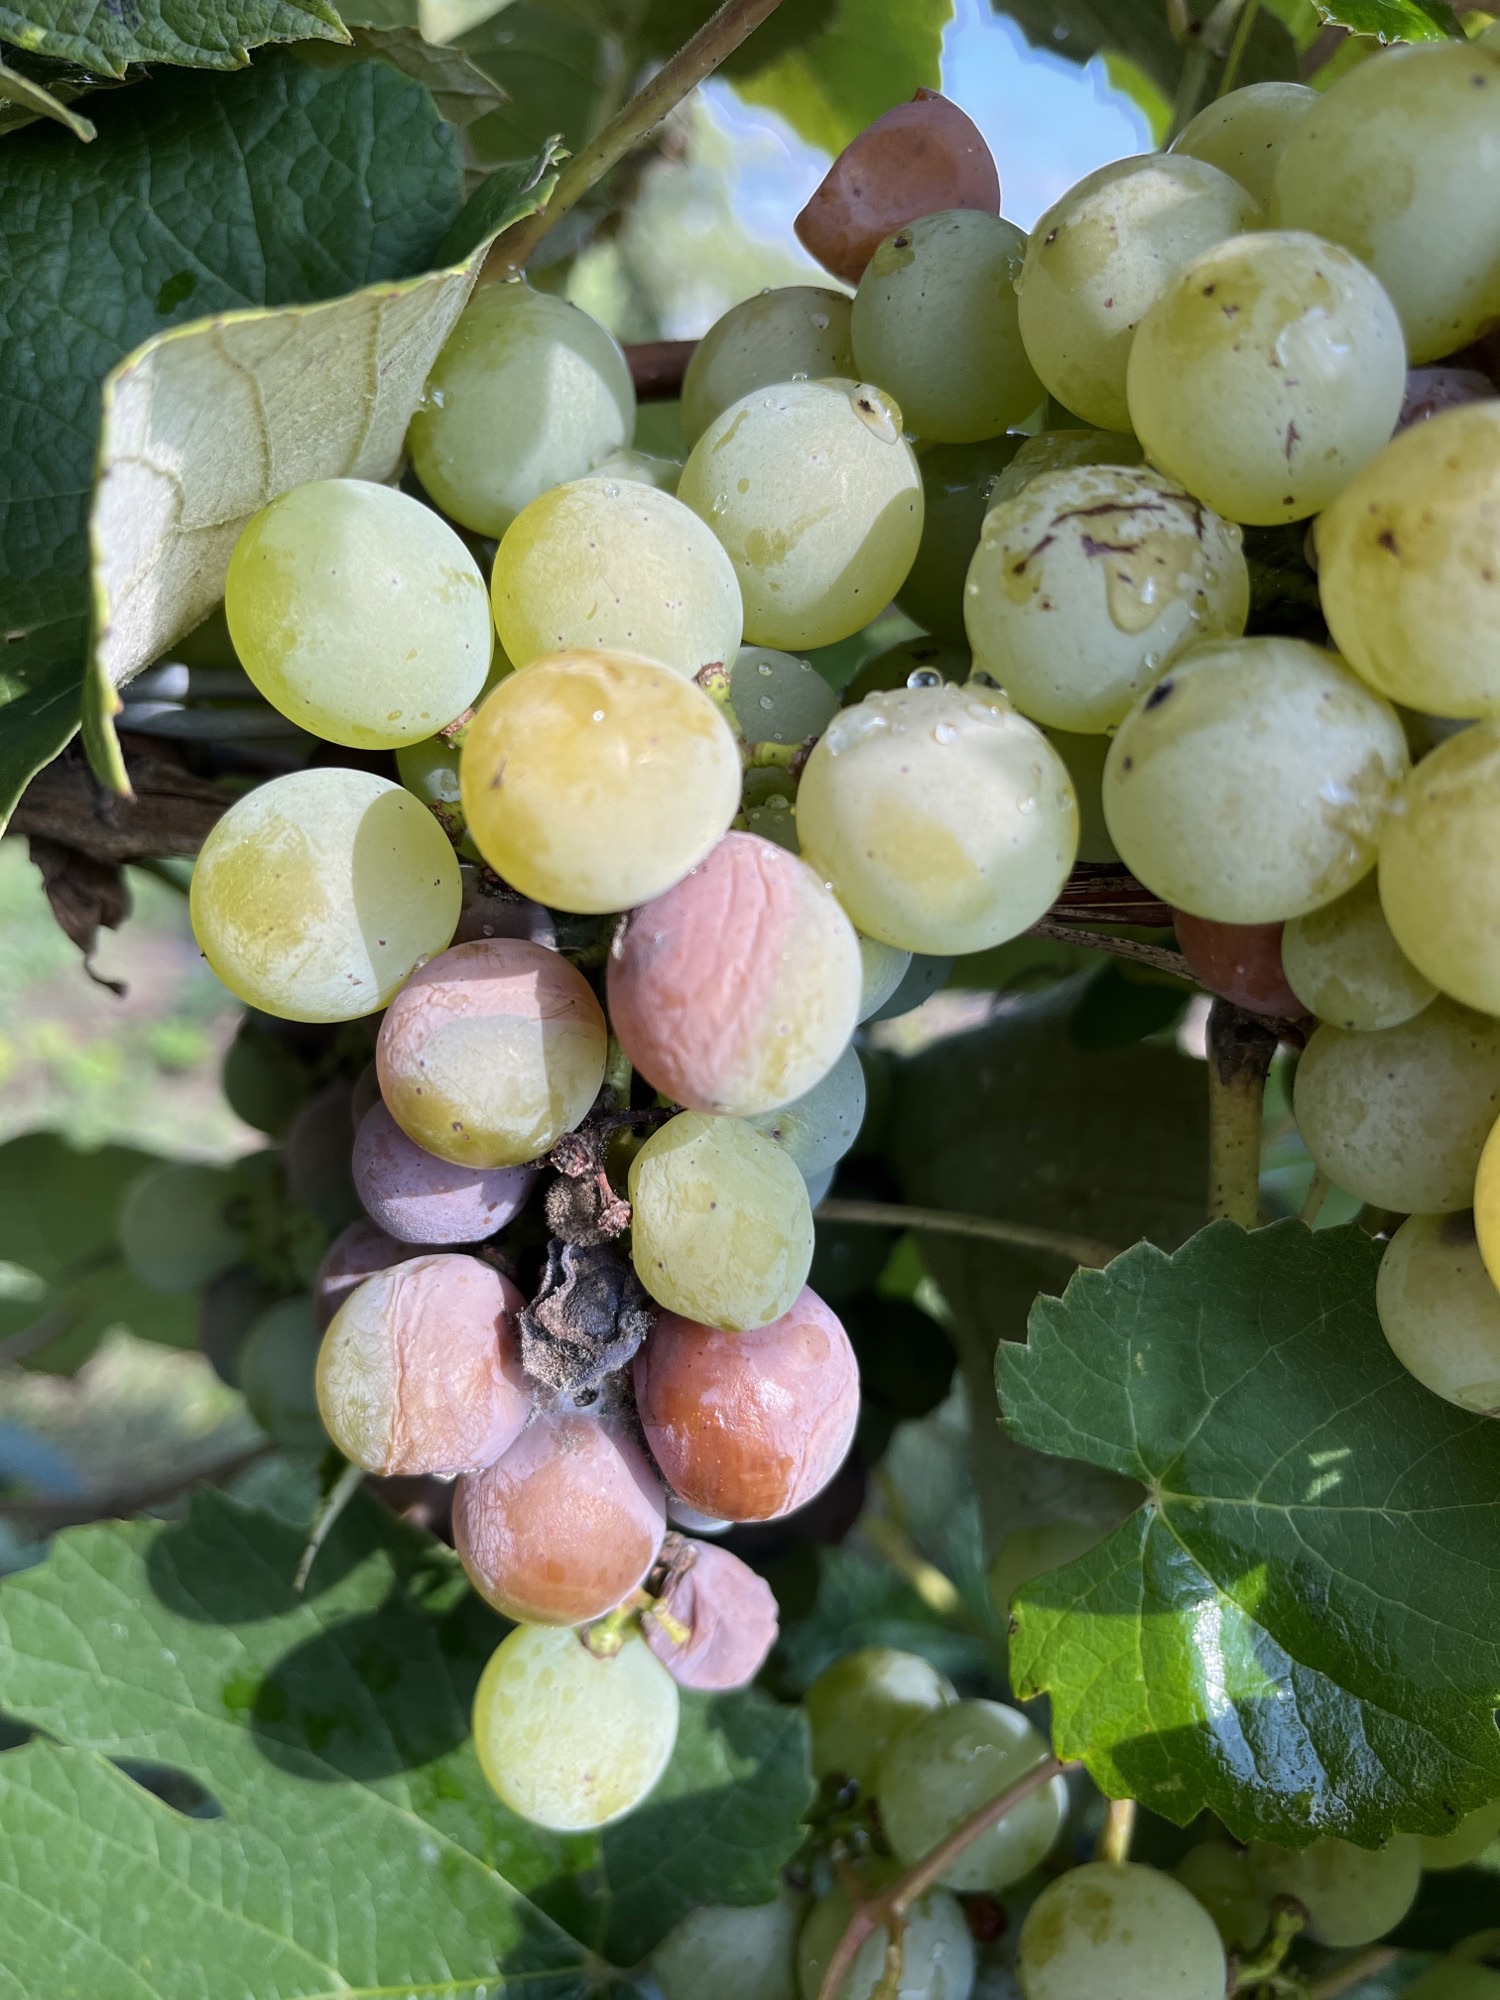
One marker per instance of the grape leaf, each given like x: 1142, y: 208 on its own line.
x: 1300, y: 1627
x: 106, y: 37
x: 354, y: 1847
x: 871, y: 55
x: 1140, y: 31
x: 1393, y: 20
x: 28, y: 98
x: 553, y: 70
x: 200, y: 195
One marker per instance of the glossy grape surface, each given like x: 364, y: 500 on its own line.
x: 780, y: 335
x: 945, y: 1766
x: 1122, y: 1929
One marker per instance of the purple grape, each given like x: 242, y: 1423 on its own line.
x: 355, y: 1254
x: 418, y: 1198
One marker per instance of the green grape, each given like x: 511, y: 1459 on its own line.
x: 174, y: 1229
x: 935, y: 323
x: 958, y: 481
x: 859, y: 1705
x: 618, y: 777
x: 1221, y: 1878
x: 1400, y: 1117
x: 358, y: 613
x: 1352, y: 1895
x: 732, y: 1953
x: 937, y: 1958
x: 527, y: 392
x: 620, y: 568
x: 1268, y: 371
x: 316, y: 894
x: 1085, y: 758
x: 1474, y: 1833
x: 1344, y: 965
x: 818, y: 1128
x: 566, y: 1739
x: 789, y: 334
x: 775, y: 820
x: 1400, y: 162
x: 1440, y: 1311
x: 1245, y: 132
x: 1027, y: 1553
x: 1099, y: 258
x: 943, y: 819
x: 884, y: 967
x: 644, y: 468
x: 1455, y: 1982
x: 1438, y: 860
x: 1116, y: 1928
x: 278, y: 1375
x: 429, y: 771
x: 1406, y: 566
x: 945, y: 1766
x: 816, y: 495
x: 1063, y: 451
x: 778, y: 698
x: 1250, y: 784
x: 722, y: 1228
x: 1089, y: 583
x: 921, y: 979
x: 262, y: 1079
x: 910, y: 662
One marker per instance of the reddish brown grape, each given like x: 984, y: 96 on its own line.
x: 420, y: 1371
x: 355, y: 1254
x: 747, y: 1426
x: 730, y: 1616
x: 566, y: 1524
x: 418, y: 1198
x: 915, y: 159
x: 1239, y: 962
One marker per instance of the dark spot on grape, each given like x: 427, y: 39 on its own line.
x: 1209, y: 290
x: 1387, y: 540
x: 1159, y: 693
x: 1127, y: 763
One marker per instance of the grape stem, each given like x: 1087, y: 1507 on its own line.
x: 1240, y: 1048
x: 337, y: 1499
x: 1117, y: 1831
x: 889, y: 1910
x: 1237, y: 47
x: 1317, y: 1194
x: 1353, y: 1972
x: 948, y: 1222
x: 1155, y: 955
x: 699, y: 57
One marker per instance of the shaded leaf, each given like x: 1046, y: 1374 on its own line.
x: 518, y: 188
x: 1140, y: 32
x: 29, y: 98
x: 1298, y: 1628
x: 1394, y: 20
x: 104, y: 36
x: 871, y: 55
x: 554, y: 72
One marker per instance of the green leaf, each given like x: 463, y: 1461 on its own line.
x: 553, y: 71
x: 356, y: 1848
x: 1300, y: 1627
x: 29, y: 96
x: 204, y: 195
x: 1140, y: 32
x: 105, y: 37
x: 518, y: 188
x: 872, y: 54
x: 1394, y: 20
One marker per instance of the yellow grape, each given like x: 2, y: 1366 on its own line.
x: 1440, y: 867
x: 1344, y: 965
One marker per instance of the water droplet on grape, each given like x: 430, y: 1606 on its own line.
x: 598, y: 715
x: 766, y: 701
x: 924, y: 677
x: 945, y: 733
x: 820, y: 321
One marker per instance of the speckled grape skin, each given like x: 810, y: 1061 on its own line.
x: 355, y: 1254
x: 747, y: 1427
x: 788, y: 331
x: 420, y: 1370
x: 739, y: 988
x: 421, y: 1198
x: 316, y: 894
x: 1344, y: 965
x: 616, y: 566
x: 592, y: 781
x: 722, y: 1228
x: 491, y: 1052
x: 565, y: 1525
x: 1120, y: 1928
x: 730, y: 1616
x: 942, y: 818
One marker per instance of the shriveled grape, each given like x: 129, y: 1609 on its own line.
x: 777, y: 336
x: 948, y: 1763
x: 421, y: 1198
x: 728, y: 1613
x: 1116, y: 1927
x: 355, y: 1254
x: 1351, y: 1894
x: 1240, y: 962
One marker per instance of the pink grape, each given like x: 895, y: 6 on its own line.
x: 730, y: 1616
x: 355, y: 1254
x: 418, y: 1198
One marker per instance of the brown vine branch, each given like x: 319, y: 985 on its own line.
x: 657, y: 368
x: 719, y: 37
x: 1155, y: 955
x: 949, y: 1222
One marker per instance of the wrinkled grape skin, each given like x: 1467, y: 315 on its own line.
x: 816, y: 495
x: 356, y: 1253
x: 935, y: 325
x: 818, y: 1128
x: 618, y: 777
x: 732, y: 1953
x: 1220, y: 1877
x: 419, y: 1198
x: 790, y: 331
x: 1406, y: 566
x: 1118, y: 1928
x: 730, y: 1615
x: 316, y: 894
x: 737, y: 990
x: 860, y: 1704
x: 565, y: 1525
x: 1245, y: 132
x: 778, y: 698
x: 914, y: 159
x: 1400, y: 1117
x: 1400, y: 163
x: 359, y: 613
x: 527, y: 391
x: 1088, y: 584
x: 958, y: 484
x: 747, y: 1428
x: 1250, y: 784
x: 1344, y: 965
x: 1468, y: 1840
x: 1266, y: 374
x: 1352, y: 1895
x: 623, y: 568
x: 944, y: 821
x: 939, y: 1954
x: 420, y: 1369
x: 567, y: 1740
x: 1239, y: 962
x: 1440, y: 1312
x: 722, y: 1229
x: 1099, y: 257
x: 949, y: 1763
x: 1439, y: 857
x: 491, y: 1052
